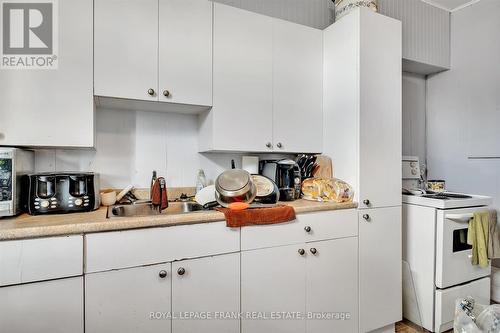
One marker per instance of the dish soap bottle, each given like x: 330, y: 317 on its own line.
x: 201, y: 180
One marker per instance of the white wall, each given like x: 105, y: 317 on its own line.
x: 463, y: 111
x: 414, y: 99
x: 130, y: 144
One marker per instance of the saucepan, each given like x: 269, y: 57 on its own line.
x: 235, y: 185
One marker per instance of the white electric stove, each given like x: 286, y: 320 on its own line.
x: 439, y: 258
x: 447, y: 200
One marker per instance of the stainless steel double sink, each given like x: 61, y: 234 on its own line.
x: 147, y: 209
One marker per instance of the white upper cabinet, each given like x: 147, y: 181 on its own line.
x: 53, y: 107
x: 154, y: 50
x: 126, y: 48
x: 241, y: 116
x: 267, y: 85
x: 185, y: 61
x: 362, y: 105
x: 380, y: 112
x: 297, y: 87
x: 426, y: 34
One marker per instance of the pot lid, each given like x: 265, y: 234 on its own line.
x: 233, y: 180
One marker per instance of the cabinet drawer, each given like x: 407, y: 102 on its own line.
x: 329, y: 225
x: 121, y: 249
x: 322, y: 225
x: 446, y: 298
x: 39, y: 259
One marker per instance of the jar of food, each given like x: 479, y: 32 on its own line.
x: 437, y: 185
x: 342, y: 7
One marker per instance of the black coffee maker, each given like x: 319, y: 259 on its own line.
x: 286, y: 174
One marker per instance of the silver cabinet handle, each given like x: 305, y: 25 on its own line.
x: 302, y: 252
x: 366, y: 217
x: 313, y: 250
x: 166, y: 93
x: 269, y: 145
x: 181, y: 271
x: 307, y: 229
x: 279, y: 145
x: 162, y: 274
x: 151, y: 92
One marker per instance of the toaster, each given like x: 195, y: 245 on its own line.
x: 62, y: 192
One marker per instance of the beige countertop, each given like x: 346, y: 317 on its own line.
x: 26, y: 226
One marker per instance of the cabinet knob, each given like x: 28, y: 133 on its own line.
x: 269, y: 145
x: 313, y: 250
x: 166, y: 93
x: 181, y: 271
x: 302, y: 252
x: 366, y: 202
x: 162, y: 274
x: 366, y: 217
x: 279, y: 145
x: 151, y: 92
x: 307, y: 229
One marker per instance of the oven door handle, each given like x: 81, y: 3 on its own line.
x: 461, y: 218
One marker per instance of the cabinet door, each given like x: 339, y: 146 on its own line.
x: 207, y: 286
x: 53, y: 107
x: 52, y: 306
x: 126, y: 48
x: 185, y: 62
x: 242, y: 82
x: 380, y: 117
x: 332, y: 285
x: 273, y: 280
x: 129, y: 300
x: 297, y: 88
x: 380, y: 267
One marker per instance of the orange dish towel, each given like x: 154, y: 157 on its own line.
x: 258, y: 216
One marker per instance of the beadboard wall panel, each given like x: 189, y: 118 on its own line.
x: 313, y: 13
x: 414, y: 117
x: 426, y: 31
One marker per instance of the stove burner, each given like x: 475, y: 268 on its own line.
x: 446, y: 196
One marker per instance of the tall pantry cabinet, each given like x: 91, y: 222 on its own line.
x: 362, y: 132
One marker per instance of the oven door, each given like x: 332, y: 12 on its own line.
x: 453, y: 254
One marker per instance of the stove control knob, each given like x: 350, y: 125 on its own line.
x: 78, y: 202
x: 44, y: 203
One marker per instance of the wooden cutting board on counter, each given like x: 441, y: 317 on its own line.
x: 325, y: 167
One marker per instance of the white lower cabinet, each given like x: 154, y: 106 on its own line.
x: 186, y: 296
x: 332, y: 286
x: 206, y: 294
x: 129, y: 300
x: 380, y: 267
x: 317, y: 280
x: 272, y: 281
x: 51, y: 306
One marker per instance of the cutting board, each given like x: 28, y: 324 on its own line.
x: 325, y: 167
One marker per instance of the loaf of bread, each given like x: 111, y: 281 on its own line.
x: 327, y: 189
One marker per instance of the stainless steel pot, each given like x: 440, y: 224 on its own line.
x: 234, y: 185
